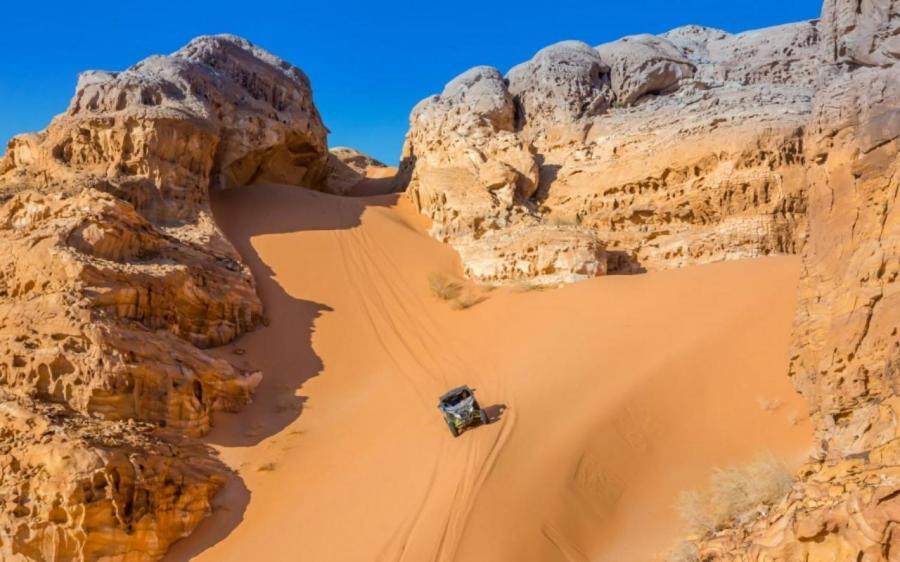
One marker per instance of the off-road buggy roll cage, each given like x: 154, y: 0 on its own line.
x: 460, y: 409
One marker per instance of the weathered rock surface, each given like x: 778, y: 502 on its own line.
x: 672, y: 150
x: 846, y: 342
x: 347, y: 167
x: 644, y: 64
x: 219, y: 112
x: 77, y: 488
x: 113, y: 280
x: 784, y: 54
x: 564, y: 85
x: 103, y: 312
x: 475, y: 177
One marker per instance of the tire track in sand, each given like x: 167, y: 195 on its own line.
x: 456, y: 475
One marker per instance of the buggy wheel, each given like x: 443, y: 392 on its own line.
x: 452, y: 428
x: 484, y: 417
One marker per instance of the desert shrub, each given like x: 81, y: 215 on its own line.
x: 267, y: 467
x: 694, y: 510
x: 734, y: 492
x: 466, y: 300
x: 527, y: 286
x: 684, y: 551
x: 443, y: 287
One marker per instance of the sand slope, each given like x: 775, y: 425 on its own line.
x: 608, y: 396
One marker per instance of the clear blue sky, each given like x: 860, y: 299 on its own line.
x: 369, y: 62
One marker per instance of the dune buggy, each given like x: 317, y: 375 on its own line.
x: 461, y: 410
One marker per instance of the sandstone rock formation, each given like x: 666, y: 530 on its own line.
x: 644, y: 64
x: 103, y: 312
x: 670, y: 150
x: 78, y: 488
x: 348, y: 166
x: 474, y: 177
x: 699, y: 145
x: 220, y: 112
x: 114, y: 278
x: 846, y: 342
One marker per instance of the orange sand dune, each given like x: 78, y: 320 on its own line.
x: 609, y: 396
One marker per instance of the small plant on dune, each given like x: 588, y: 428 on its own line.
x: 267, y: 467
x: 528, y: 286
x: 466, y: 300
x: 734, y: 493
x: 443, y: 287
x: 694, y: 509
x: 684, y: 551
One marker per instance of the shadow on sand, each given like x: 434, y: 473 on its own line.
x: 229, y: 506
x: 282, y: 348
x: 495, y: 412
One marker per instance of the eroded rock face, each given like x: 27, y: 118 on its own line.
x: 347, y: 167
x: 846, y: 342
x: 559, y: 89
x: 784, y: 54
x: 644, y: 64
x: 671, y: 150
x: 76, y: 488
x: 219, y: 112
x: 533, y: 255
x: 103, y: 312
x: 114, y: 279
x: 475, y: 177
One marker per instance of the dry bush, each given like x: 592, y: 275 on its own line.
x: 459, y: 298
x: 735, y: 492
x: 684, y: 551
x: 268, y: 467
x: 527, y: 287
x: 466, y: 300
x: 694, y: 510
x: 443, y: 287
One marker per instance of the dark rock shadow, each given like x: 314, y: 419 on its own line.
x: 547, y: 174
x: 282, y: 349
x: 229, y: 507
x: 620, y: 262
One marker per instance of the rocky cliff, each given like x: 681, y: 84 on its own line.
x: 694, y: 146
x: 846, y: 342
x: 648, y: 152
x: 113, y: 280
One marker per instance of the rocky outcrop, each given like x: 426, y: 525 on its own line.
x: 114, y: 279
x: 103, y: 312
x: 472, y: 174
x: 219, y: 112
x: 644, y: 64
x: 846, y: 342
x: 667, y: 150
x: 784, y: 54
x: 77, y: 488
x: 559, y: 90
x: 347, y: 167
